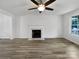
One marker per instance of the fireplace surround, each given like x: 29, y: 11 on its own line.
x: 36, y: 31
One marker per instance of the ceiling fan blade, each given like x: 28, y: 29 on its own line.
x: 47, y: 8
x: 49, y: 2
x: 35, y: 2
x: 32, y: 8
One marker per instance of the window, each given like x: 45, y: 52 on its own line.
x: 75, y: 25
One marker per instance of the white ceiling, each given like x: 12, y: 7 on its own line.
x: 20, y: 7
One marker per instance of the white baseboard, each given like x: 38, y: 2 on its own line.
x: 74, y: 41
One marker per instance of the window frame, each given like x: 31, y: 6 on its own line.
x: 75, y: 25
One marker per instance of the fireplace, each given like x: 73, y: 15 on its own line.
x: 36, y: 33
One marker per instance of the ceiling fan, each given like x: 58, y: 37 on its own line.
x: 42, y: 6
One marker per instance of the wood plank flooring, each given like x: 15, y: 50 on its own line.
x: 38, y: 49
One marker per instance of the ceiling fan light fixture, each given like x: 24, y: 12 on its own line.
x: 41, y: 7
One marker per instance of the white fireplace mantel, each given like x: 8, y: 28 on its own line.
x: 35, y: 27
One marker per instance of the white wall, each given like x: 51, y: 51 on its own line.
x: 52, y: 25
x: 5, y: 25
x: 12, y: 26
x: 16, y: 26
x: 67, y: 26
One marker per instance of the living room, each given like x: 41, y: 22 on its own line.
x: 19, y: 24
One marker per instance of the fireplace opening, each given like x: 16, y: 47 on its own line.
x: 36, y: 33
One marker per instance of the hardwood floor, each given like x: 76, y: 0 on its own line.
x: 38, y: 49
